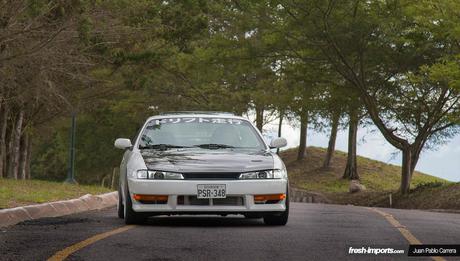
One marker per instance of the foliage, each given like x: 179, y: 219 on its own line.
x: 116, y: 62
x: 426, y: 185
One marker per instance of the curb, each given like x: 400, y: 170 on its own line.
x: 87, y: 202
x: 303, y: 196
x: 451, y: 211
x: 298, y: 195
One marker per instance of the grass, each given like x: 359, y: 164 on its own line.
x: 375, y: 175
x: 15, y: 193
x: 431, y: 197
x: 441, y: 196
x: 380, y: 180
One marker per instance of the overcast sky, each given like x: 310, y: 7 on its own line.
x: 443, y: 162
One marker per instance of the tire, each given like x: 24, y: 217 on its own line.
x: 279, y: 219
x: 131, y: 217
x: 120, y: 207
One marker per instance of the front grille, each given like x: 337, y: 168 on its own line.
x: 211, y: 175
x: 229, y: 201
x: 268, y: 202
x: 194, y: 201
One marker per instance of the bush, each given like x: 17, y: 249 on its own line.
x: 428, y: 185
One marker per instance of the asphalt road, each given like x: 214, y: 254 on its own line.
x: 314, y: 232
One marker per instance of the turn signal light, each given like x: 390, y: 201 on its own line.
x: 150, y: 198
x: 269, y: 197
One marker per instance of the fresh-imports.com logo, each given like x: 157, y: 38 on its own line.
x: 374, y: 250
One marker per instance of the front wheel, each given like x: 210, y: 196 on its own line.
x: 120, y: 207
x: 279, y: 219
x: 131, y: 217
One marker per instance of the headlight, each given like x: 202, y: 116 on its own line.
x: 265, y: 174
x: 155, y: 174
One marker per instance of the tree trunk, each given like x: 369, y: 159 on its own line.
x: 4, y: 121
x: 280, y: 124
x: 332, y: 139
x: 410, y: 158
x: 24, y: 153
x: 10, y: 152
x: 17, y: 145
x: 416, y: 150
x: 302, y: 152
x: 259, y: 117
x: 351, y: 170
x: 406, y: 170
x: 29, y: 157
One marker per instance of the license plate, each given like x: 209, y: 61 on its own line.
x: 211, y: 191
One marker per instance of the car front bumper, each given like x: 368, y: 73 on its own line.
x: 241, y: 189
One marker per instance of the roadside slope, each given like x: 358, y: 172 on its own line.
x: 380, y: 179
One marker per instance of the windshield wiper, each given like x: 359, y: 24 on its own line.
x: 162, y: 146
x: 213, y: 146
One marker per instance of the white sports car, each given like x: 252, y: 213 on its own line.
x: 202, y: 163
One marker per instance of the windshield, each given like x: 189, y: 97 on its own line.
x: 202, y: 132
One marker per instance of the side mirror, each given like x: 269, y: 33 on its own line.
x: 277, y: 143
x: 123, y: 144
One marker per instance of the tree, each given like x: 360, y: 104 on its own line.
x: 335, y: 119
x: 351, y: 168
x: 152, y: 58
x: 42, y: 67
x: 335, y: 102
x: 388, y: 52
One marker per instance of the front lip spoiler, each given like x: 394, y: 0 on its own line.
x: 208, y: 213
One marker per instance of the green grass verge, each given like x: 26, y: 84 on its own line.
x: 15, y: 193
x: 380, y: 179
x: 377, y: 176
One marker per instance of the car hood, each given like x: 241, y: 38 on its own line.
x: 188, y: 161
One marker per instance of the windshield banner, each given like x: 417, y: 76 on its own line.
x: 194, y: 120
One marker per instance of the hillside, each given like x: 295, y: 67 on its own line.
x: 380, y: 180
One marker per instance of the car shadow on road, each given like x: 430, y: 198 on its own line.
x: 204, y: 221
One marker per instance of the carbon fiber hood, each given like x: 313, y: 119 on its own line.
x: 188, y: 161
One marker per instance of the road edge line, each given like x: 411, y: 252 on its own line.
x: 403, y: 230
x: 66, y: 252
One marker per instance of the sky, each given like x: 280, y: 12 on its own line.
x: 444, y: 162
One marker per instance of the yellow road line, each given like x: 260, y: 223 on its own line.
x: 63, y: 254
x: 403, y: 230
